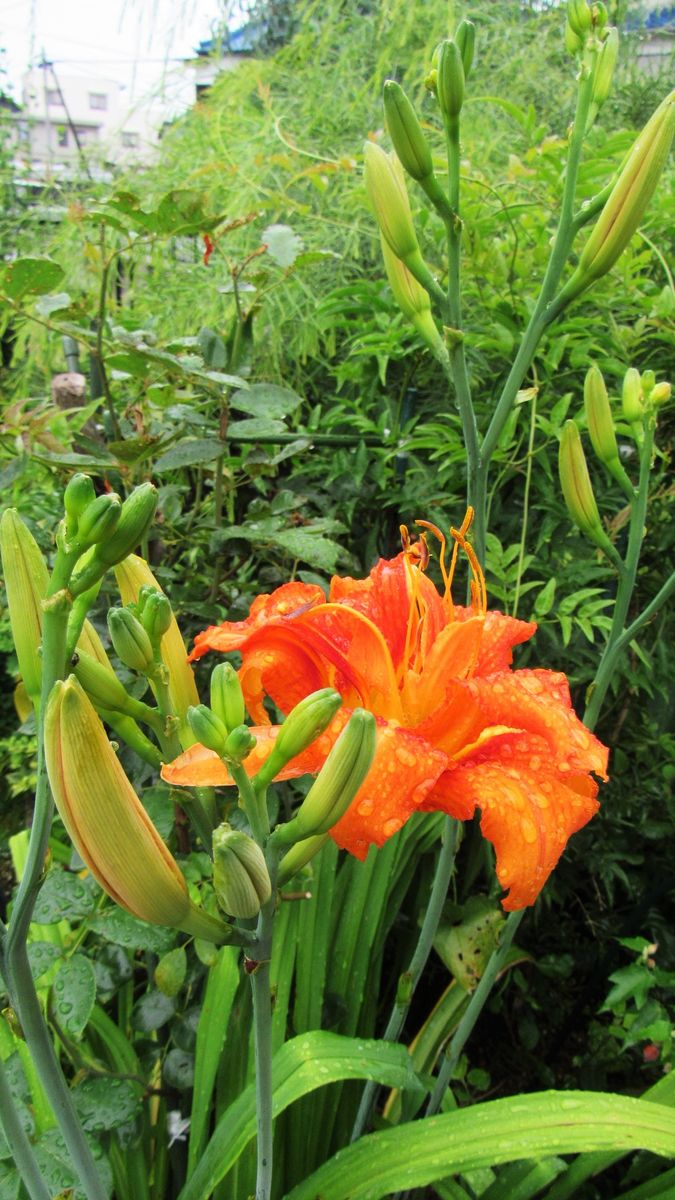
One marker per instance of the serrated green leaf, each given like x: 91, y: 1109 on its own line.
x: 265, y: 428
x: 190, y: 452
x: 42, y: 956
x: 266, y: 400
x: 152, y: 1011
x: 179, y: 1069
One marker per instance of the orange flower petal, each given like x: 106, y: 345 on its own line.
x: 285, y: 601
x: 538, y: 702
x: 199, y: 767
x: 404, y: 771
x: 527, y: 814
x: 454, y: 654
x: 500, y: 634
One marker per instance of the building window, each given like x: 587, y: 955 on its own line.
x: 54, y: 97
x: 61, y: 135
x: 98, y: 100
x: 130, y: 140
x: 86, y: 134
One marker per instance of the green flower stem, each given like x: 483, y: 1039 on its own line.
x: 203, y: 817
x: 22, y: 1151
x: 262, y: 1019
x: 20, y: 984
x: 544, y: 313
x: 455, y: 337
x: 478, y: 1000
x: 409, y: 980
x: 616, y: 640
x: 254, y: 804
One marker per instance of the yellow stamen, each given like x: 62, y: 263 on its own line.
x: 478, y: 589
x: 441, y: 557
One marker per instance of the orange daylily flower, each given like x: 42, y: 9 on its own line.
x: 458, y: 729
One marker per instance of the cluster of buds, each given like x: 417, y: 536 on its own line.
x: 222, y: 727
x: 450, y: 68
x: 105, y: 526
x: 585, y: 21
x: 641, y: 397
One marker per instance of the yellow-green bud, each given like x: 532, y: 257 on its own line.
x: 599, y: 416
x: 26, y: 580
x: 337, y: 782
x: 131, y: 575
x: 302, y: 726
x: 450, y: 82
x: 465, y: 37
x: 413, y: 300
x: 599, y: 15
x: 405, y: 132
x: 102, y: 685
x: 133, y: 521
x: 98, y: 521
x: 386, y: 190
x: 227, y: 698
x: 660, y: 394
x: 240, y: 742
x: 107, y: 823
x: 579, y: 17
x: 156, y: 616
x: 131, y: 642
x: 648, y: 381
x: 240, y: 876
x: 604, y: 71
x: 632, y: 396
x: 573, y: 43
x: 207, y: 728
x: 576, y: 484
x: 77, y: 497
x: 628, y: 200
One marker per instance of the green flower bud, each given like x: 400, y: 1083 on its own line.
x: 207, y: 728
x: 101, y: 685
x: 240, y: 742
x: 131, y: 642
x: 465, y: 37
x: 240, y: 876
x: 406, y: 133
x: 26, y: 581
x: 77, y: 497
x: 627, y: 201
x: 599, y: 416
x: 599, y: 15
x: 337, y: 782
x: 98, y: 521
x: 577, y: 487
x: 579, y: 17
x: 450, y: 83
x: 306, y: 722
x: 227, y: 698
x: 604, y: 71
x: 632, y: 396
x: 156, y: 616
x: 573, y: 43
x: 660, y: 394
x: 413, y: 301
x: 648, y: 381
x: 388, y: 197
x: 133, y: 521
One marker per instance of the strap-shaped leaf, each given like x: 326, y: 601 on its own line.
x: 304, y: 1064
x: 487, y: 1134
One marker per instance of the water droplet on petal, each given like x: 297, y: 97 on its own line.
x: 528, y: 830
x: 365, y: 808
x: 391, y: 826
x: 405, y: 757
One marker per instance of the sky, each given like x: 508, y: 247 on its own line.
x: 135, y: 42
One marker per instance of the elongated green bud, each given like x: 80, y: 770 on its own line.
x: 632, y: 396
x: 130, y: 732
x: 577, y: 487
x: 207, y: 728
x: 604, y: 71
x: 405, y: 132
x: 579, y: 17
x: 465, y: 37
x: 227, y: 698
x: 131, y: 575
x: 298, y: 856
x: 628, y: 200
x: 240, y: 742
x: 599, y: 15
x: 98, y: 521
x: 302, y: 726
x: 337, y: 782
x: 648, y: 381
x: 573, y: 43
x: 156, y: 616
x: 102, y: 686
x: 240, y: 876
x: 26, y: 580
x: 131, y: 642
x: 386, y: 190
x: 77, y: 497
x: 450, y: 81
x: 133, y: 522
x: 107, y: 823
x: 601, y: 427
x: 413, y: 301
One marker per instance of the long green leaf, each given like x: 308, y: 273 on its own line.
x: 487, y: 1134
x: 213, y: 1020
x: 301, y: 1066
